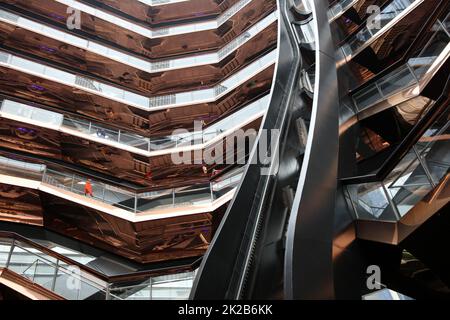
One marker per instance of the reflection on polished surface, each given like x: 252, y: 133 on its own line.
x: 52, y: 273
x: 155, y: 123
x: 140, y: 144
x: 418, y: 173
x: 162, y: 32
x: 133, y: 99
x: 412, y: 73
x: 190, y: 196
x: 392, y: 13
x: 165, y: 11
x: 339, y: 8
x: 158, y: 43
x: 126, y: 58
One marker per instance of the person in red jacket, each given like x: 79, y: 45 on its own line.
x: 88, y: 188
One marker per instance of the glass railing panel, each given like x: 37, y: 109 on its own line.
x: 27, y: 112
x: 177, y: 290
x: 223, y: 185
x: 5, y: 247
x: 44, y: 274
x: 133, y: 99
x: 415, y: 176
x: 24, y: 257
x: 160, y: 32
x: 367, y: 96
x: 196, y: 195
x: 103, y: 133
x: 77, y: 124
x: 402, y: 78
x: 21, y: 169
x: 156, y: 199
x: 407, y: 189
x: 177, y: 286
x: 134, y: 141
x: 434, y: 148
x: 127, y: 58
x: 393, y: 10
x: 405, y: 76
x: 130, y: 201
x: 339, y: 8
x: 71, y: 287
x: 371, y: 202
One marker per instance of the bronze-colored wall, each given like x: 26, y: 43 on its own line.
x: 20, y: 205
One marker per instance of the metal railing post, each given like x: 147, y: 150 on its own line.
x: 391, y: 202
x: 135, y: 203
x: 211, y: 191
x: 55, y: 276
x: 8, y: 261
x: 35, y: 269
x: 73, y: 183
x: 412, y: 72
x: 108, y: 292
x: 151, y: 288
x: 425, y: 167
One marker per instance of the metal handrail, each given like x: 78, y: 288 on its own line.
x: 407, y: 144
x: 411, y: 51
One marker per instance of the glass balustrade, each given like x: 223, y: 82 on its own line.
x: 339, y: 8
x: 196, y: 195
x: 133, y: 99
x: 160, y: 32
x: 21, y: 169
x: 38, y: 116
x: 133, y: 61
x: 392, y: 11
x: 415, y: 176
x: 407, y: 75
x: 53, y: 274
x: 72, y: 283
x: 170, y: 287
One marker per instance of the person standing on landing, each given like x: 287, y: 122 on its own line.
x: 88, y: 188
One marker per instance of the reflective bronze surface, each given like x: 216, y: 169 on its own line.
x: 98, y: 108
x: 395, y: 232
x: 157, y: 47
x: 50, y: 144
x: 169, y: 12
x: 21, y: 205
x: 144, y: 242
x: 60, y: 53
x: 393, y: 44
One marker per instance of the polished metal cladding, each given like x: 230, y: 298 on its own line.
x: 327, y: 121
x: 139, y: 39
x: 93, y: 115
